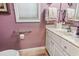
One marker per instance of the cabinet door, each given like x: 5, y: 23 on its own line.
x: 47, y: 42
x: 52, y: 47
x: 49, y: 45
x: 70, y: 48
x: 59, y: 51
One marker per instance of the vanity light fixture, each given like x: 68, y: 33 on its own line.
x: 70, y: 4
x: 49, y: 4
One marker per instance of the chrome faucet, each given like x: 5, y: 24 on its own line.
x: 69, y: 28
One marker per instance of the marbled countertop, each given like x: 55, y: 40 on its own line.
x: 64, y: 34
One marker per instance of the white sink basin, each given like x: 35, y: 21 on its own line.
x: 64, y: 32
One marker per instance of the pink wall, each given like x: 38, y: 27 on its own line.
x: 33, y: 39
x: 8, y: 26
x: 37, y: 37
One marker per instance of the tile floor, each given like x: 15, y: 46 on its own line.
x: 38, y: 51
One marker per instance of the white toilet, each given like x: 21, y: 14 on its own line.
x: 9, y: 53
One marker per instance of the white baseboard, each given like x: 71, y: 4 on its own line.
x: 35, y: 48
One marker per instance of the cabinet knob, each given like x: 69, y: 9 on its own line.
x: 52, y: 42
x: 65, y: 47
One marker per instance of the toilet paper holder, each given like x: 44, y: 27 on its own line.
x: 24, y: 31
x: 21, y: 33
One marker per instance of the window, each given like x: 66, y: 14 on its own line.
x: 27, y: 12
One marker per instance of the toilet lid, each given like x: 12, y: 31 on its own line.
x: 9, y: 53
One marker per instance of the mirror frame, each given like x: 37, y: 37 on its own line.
x: 77, y: 12
x: 25, y: 19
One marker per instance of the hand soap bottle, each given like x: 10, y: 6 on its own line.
x: 77, y: 32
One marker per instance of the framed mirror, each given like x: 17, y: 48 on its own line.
x: 27, y: 12
x: 77, y: 13
x: 70, y: 13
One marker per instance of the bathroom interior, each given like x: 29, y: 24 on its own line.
x: 39, y: 29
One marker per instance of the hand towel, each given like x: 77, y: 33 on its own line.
x: 70, y: 13
x: 52, y: 13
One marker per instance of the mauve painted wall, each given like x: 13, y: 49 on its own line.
x: 8, y: 25
x: 37, y: 37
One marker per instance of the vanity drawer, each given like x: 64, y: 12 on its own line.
x: 70, y: 48
x: 55, y: 37
x: 50, y: 45
x: 59, y: 51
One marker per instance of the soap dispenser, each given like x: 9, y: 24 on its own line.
x: 77, y: 32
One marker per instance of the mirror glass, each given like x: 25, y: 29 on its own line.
x: 77, y: 12
x: 71, y: 11
x: 27, y: 12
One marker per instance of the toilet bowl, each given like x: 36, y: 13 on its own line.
x: 9, y: 53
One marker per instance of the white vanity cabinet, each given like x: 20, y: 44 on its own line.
x: 49, y: 44
x: 70, y: 48
x: 58, y: 45
x: 58, y: 51
x: 52, y: 46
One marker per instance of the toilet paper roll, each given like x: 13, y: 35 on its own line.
x: 21, y: 36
